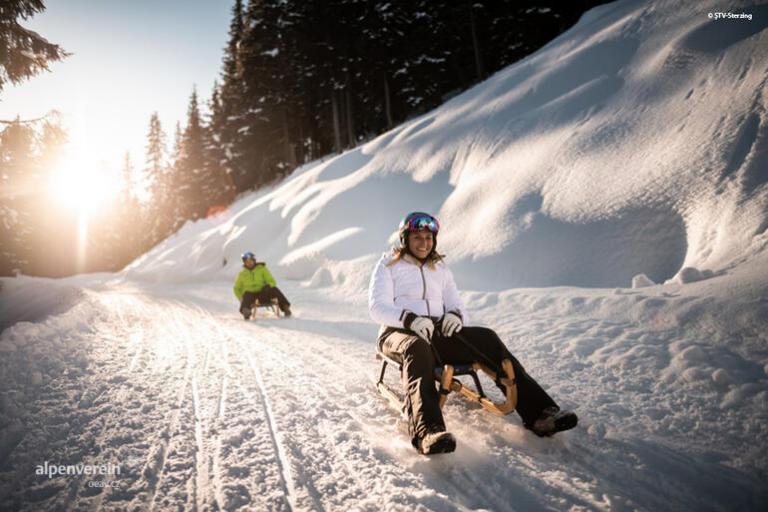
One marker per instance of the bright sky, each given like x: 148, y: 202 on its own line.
x: 130, y: 58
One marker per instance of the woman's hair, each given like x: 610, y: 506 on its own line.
x: 399, y: 252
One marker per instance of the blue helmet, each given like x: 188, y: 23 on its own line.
x: 248, y: 255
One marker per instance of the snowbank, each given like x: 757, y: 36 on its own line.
x: 33, y: 299
x: 631, y: 144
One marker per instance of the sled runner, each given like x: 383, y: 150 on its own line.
x: 272, y: 305
x: 446, y: 375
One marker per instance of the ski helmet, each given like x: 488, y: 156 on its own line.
x: 415, y: 221
x: 248, y: 255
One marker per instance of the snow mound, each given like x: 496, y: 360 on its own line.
x: 691, y: 275
x: 635, y: 143
x: 641, y: 281
x: 33, y: 299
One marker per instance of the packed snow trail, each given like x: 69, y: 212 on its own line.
x: 204, y: 411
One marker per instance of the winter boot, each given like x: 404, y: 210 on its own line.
x: 553, y: 420
x: 246, y: 312
x: 436, y: 442
x: 287, y: 311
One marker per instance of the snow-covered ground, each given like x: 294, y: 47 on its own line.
x: 633, y: 144
x: 203, y: 410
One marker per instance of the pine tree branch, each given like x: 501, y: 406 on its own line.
x: 24, y: 121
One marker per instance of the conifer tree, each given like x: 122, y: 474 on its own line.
x: 190, y: 170
x: 170, y: 184
x: 256, y: 135
x: 23, y: 53
x: 44, y: 227
x: 229, y: 113
x: 219, y: 187
x: 16, y: 167
x: 156, y: 177
x: 129, y: 219
x: 155, y: 160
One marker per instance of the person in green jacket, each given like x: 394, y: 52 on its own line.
x: 256, y: 282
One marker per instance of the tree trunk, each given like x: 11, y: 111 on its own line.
x: 387, y: 104
x: 336, y: 126
x: 290, y: 149
x: 350, y: 118
x: 475, y: 44
x: 302, y: 150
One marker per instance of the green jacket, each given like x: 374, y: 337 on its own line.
x: 253, y: 280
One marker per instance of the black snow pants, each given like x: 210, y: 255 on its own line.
x: 419, y: 362
x: 265, y: 296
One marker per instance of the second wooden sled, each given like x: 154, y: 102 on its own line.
x: 446, y: 377
x: 272, y: 305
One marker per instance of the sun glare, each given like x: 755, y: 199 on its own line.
x: 83, y: 186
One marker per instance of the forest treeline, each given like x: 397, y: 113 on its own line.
x: 299, y: 80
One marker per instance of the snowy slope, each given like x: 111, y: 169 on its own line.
x: 634, y: 143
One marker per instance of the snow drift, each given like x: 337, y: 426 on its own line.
x: 635, y: 143
x: 32, y: 300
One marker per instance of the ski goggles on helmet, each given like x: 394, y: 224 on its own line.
x: 248, y: 256
x: 417, y: 221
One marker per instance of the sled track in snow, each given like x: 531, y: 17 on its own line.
x: 282, y: 459
x: 220, y: 416
x: 260, y: 397
x: 202, y: 482
x: 155, y: 469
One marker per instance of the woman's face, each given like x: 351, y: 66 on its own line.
x: 420, y: 243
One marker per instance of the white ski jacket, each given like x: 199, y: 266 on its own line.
x: 408, y: 286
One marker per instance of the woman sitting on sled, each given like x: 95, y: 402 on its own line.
x: 413, y: 295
